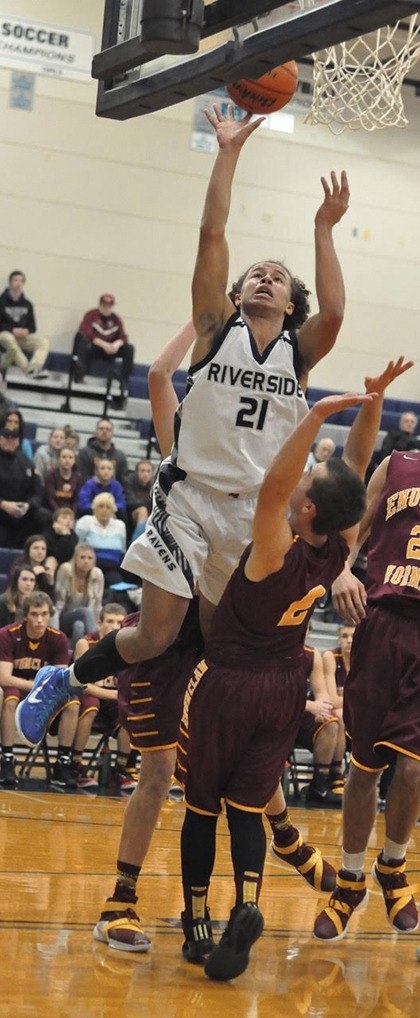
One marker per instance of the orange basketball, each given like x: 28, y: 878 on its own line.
x: 266, y: 94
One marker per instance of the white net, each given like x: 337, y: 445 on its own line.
x: 358, y: 84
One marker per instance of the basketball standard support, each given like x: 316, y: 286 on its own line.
x: 291, y: 40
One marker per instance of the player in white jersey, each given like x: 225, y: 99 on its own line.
x: 205, y: 494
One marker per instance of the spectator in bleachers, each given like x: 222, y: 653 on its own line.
x: 102, y: 334
x: 103, y: 480
x: 401, y: 438
x: 22, y: 582
x: 107, y: 535
x: 14, y: 419
x: 18, y: 335
x: 101, y: 444
x: 20, y: 512
x: 101, y: 701
x: 79, y: 589
x: 63, y: 483
x: 138, y: 489
x: 24, y: 648
x: 35, y: 556
x: 322, y: 733
x: 71, y: 438
x: 61, y: 536
x: 46, y: 456
x: 322, y: 451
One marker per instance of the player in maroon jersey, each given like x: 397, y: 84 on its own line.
x: 245, y: 700
x: 24, y: 648
x: 382, y: 697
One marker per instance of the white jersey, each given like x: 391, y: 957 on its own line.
x: 240, y: 407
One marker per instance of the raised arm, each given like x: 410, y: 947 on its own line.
x: 162, y: 393
x: 318, y: 334
x: 362, y: 436
x: 211, y: 305
x: 272, y: 535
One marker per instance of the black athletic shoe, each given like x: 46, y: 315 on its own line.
x: 231, y: 956
x: 198, y: 943
x: 8, y: 776
x: 63, y: 776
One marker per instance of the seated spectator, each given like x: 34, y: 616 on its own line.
x: 401, y: 438
x: 321, y: 452
x: 322, y: 733
x: 18, y: 334
x: 35, y: 556
x: 46, y: 456
x: 101, y: 334
x: 107, y: 536
x: 102, y: 481
x: 63, y: 483
x: 101, y: 444
x: 21, y: 512
x: 24, y: 648
x: 61, y: 536
x: 14, y: 419
x: 21, y: 583
x: 71, y: 438
x: 101, y: 701
x: 336, y: 665
x: 138, y: 490
x: 79, y: 589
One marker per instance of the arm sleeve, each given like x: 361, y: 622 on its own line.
x: 6, y: 648
x: 86, y: 325
x: 119, y: 496
x: 85, y: 497
x: 30, y: 321
x: 121, y: 330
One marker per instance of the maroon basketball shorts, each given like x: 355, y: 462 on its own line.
x: 150, y: 698
x: 382, y: 690
x: 105, y: 710
x: 237, y: 729
x: 309, y: 729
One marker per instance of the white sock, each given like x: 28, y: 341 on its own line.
x: 73, y: 680
x: 392, y: 850
x: 355, y: 862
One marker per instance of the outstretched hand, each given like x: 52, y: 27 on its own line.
x: 231, y: 132
x: 393, y: 370
x: 334, y: 404
x: 336, y: 200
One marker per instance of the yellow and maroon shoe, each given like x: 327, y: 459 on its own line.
x: 119, y: 927
x: 308, y: 861
x: 349, y: 895
x: 398, y: 895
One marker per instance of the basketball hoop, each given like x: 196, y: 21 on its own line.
x: 358, y: 84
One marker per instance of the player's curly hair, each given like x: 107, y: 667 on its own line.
x: 339, y: 498
x: 299, y: 294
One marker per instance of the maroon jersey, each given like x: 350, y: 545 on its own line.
x: 258, y: 624
x: 27, y: 655
x: 393, y: 566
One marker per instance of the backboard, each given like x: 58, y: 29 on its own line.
x: 239, y: 38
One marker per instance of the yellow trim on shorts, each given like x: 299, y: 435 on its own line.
x: 202, y: 812
x: 143, y: 699
x: 184, y: 751
x: 139, y: 717
x: 12, y: 696
x: 142, y: 735
x: 323, y: 723
x: 88, y: 710
x: 371, y: 770
x: 153, y: 749
x: 181, y: 767
x: 185, y: 734
x: 246, y: 809
x: 135, y: 685
x: 391, y: 745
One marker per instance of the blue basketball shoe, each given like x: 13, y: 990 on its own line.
x: 51, y: 689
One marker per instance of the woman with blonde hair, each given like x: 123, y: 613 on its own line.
x: 79, y: 589
x: 106, y: 534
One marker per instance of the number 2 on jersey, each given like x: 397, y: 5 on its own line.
x: 252, y: 407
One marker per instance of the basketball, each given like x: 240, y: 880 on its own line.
x: 266, y: 94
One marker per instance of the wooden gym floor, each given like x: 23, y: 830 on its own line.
x: 57, y: 858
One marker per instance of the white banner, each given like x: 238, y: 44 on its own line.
x: 46, y: 49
